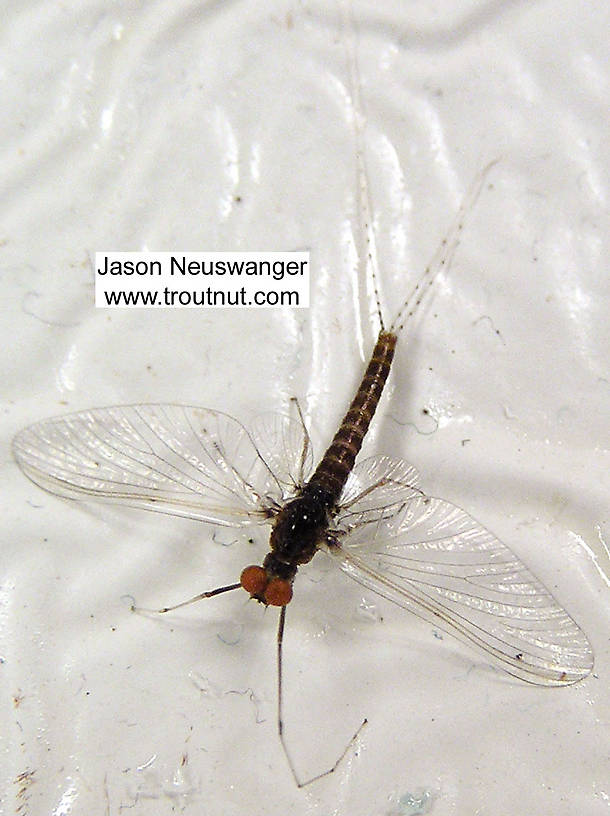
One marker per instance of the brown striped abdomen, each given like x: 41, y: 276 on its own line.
x: 332, y: 472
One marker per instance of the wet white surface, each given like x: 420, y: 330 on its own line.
x: 228, y: 126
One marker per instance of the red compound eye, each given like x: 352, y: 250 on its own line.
x: 274, y: 592
x: 254, y: 580
x: 278, y: 592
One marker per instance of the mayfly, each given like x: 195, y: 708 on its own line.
x: 420, y: 552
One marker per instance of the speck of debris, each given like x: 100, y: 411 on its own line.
x: 24, y: 780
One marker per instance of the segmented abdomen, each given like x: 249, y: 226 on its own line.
x: 332, y: 472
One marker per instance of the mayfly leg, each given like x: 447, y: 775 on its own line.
x: 300, y: 783
x: 209, y: 594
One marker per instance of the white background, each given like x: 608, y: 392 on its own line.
x: 229, y: 126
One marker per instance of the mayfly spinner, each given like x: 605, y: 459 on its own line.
x: 422, y: 553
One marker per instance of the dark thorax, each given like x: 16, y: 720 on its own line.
x: 297, y: 531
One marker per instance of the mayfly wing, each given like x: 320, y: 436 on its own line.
x: 284, y: 444
x: 176, y: 459
x: 375, y: 488
x: 432, y: 558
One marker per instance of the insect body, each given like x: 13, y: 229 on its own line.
x: 302, y: 524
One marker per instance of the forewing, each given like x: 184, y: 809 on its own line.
x: 434, y: 559
x: 283, y: 442
x: 176, y: 459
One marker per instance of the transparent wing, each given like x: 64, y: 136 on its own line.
x: 174, y: 459
x: 432, y: 558
x: 375, y: 488
x: 284, y: 444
